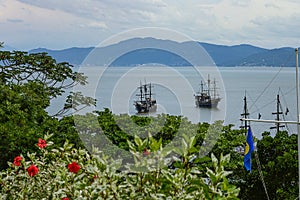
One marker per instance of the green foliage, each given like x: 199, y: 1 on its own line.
x: 20, y: 67
x: 279, y: 160
x: 21, y: 112
x: 120, y: 128
x: 117, y: 129
x: 99, y: 177
x: 218, y: 181
x: 111, y: 129
x: 27, y: 83
x: 278, y: 155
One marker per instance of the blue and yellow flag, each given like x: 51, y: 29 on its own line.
x: 248, y: 150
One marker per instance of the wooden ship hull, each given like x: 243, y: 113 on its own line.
x: 145, y: 103
x: 208, y: 96
x: 146, y: 106
x: 206, y: 102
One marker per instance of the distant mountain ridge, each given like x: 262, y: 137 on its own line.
x: 222, y: 55
x: 74, y: 55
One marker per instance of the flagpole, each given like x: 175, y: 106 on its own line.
x: 298, y: 116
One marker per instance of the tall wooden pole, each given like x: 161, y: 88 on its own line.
x: 298, y: 117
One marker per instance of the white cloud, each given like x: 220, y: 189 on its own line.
x: 104, y: 9
x: 254, y: 21
x: 42, y: 27
x: 99, y: 25
x: 52, y: 23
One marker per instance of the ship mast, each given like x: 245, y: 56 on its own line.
x: 141, y: 92
x: 150, y: 91
x: 277, y: 113
x: 208, y: 85
x: 245, y: 114
x: 214, y: 88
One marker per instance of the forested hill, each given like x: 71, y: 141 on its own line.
x: 237, y: 55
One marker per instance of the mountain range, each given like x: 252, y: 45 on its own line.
x: 222, y: 55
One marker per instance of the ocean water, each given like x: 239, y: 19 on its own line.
x: 174, y: 89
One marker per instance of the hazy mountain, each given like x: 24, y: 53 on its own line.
x: 150, y: 55
x: 72, y: 55
x: 231, y: 55
x: 118, y: 55
x: 275, y: 57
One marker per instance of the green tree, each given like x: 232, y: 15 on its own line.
x: 28, y: 82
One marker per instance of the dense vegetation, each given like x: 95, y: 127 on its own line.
x: 188, y: 164
x: 27, y: 83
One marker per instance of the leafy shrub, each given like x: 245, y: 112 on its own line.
x: 70, y: 173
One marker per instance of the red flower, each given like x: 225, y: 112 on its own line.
x: 41, y: 143
x: 146, y: 152
x: 73, y: 167
x: 17, y: 161
x: 32, y: 170
x: 65, y: 198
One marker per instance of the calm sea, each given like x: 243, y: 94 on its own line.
x: 174, y: 89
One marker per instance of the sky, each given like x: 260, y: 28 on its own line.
x: 59, y: 24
